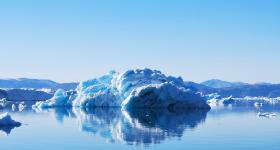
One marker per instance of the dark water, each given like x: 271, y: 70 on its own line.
x: 83, y: 129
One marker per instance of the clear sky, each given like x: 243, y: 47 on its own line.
x: 71, y: 40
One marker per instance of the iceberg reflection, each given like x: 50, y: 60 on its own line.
x: 153, y: 126
x: 6, y: 130
x: 140, y: 126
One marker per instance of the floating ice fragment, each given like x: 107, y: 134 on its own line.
x: 21, y: 106
x: 258, y: 104
x: 3, y: 102
x: 14, y: 107
x: 61, y: 98
x: 228, y: 100
x: 266, y: 114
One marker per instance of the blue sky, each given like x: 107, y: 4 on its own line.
x: 70, y: 40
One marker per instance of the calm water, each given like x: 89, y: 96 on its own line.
x: 220, y: 128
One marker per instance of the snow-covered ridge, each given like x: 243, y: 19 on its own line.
x: 130, y: 89
x: 216, y: 83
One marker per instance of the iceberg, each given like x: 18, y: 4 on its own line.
x: 228, y: 100
x: 140, y: 88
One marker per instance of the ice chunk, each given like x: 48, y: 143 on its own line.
x: 3, y: 102
x: 266, y: 114
x: 213, y: 96
x: 60, y: 99
x: 105, y: 98
x: 14, y: 107
x: 258, y: 104
x: 228, y: 100
x: 98, y: 92
x: 21, y: 106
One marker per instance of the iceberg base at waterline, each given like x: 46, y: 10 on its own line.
x: 141, y: 88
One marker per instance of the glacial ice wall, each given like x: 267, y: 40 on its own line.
x: 141, y: 88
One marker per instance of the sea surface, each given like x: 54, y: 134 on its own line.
x: 223, y: 127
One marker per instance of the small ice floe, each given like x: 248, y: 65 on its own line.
x: 258, y: 104
x: 6, y: 120
x: 21, y: 106
x: 267, y: 115
x: 14, y: 107
x: 3, y: 103
x: 228, y: 100
x: 213, y: 99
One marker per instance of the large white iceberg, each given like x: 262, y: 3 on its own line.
x: 130, y: 89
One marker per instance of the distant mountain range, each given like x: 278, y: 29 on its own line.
x: 36, y: 84
x: 253, y: 90
x: 28, y: 89
x: 24, y: 95
x: 236, y: 89
x: 215, y: 83
x: 223, y: 88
